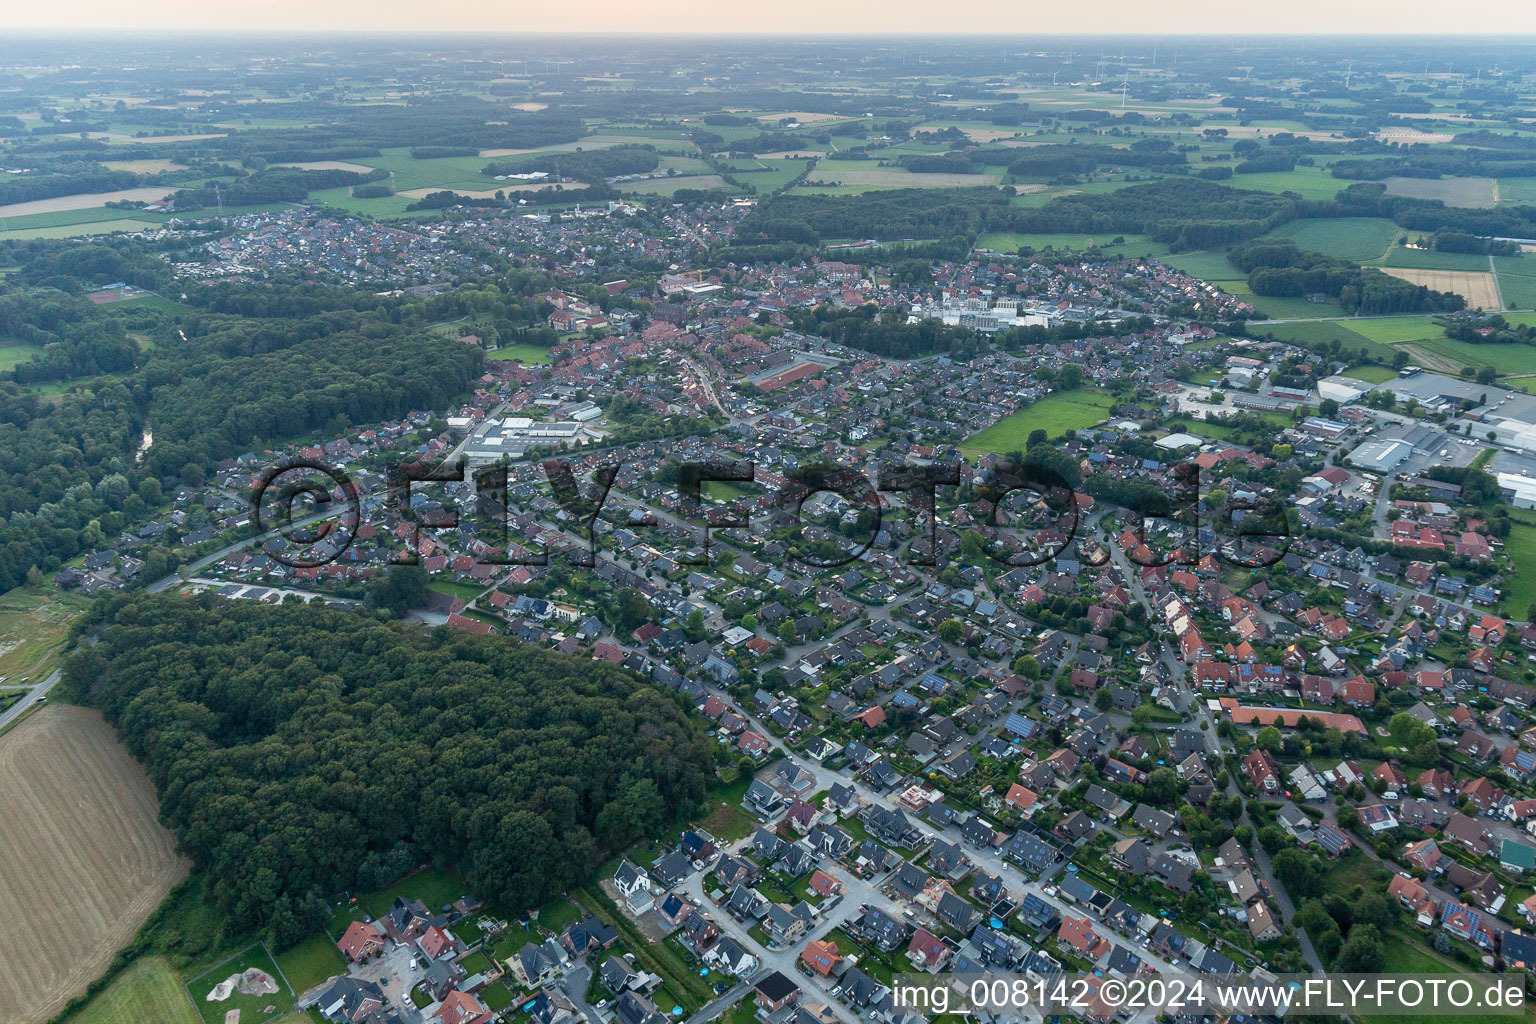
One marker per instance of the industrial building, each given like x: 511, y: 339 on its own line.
x: 1381, y: 455
x: 1341, y: 389
x: 512, y: 437
x: 1519, y: 489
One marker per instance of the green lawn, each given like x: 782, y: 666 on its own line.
x: 311, y: 962
x: 148, y: 992
x: 1345, y: 238
x: 1520, y: 590
x: 533, y: 355
x: 1056, y: 414
x: 1208, y: 266
x: 467, y: 591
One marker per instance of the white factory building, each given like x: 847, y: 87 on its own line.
x: 1519, y: 488
x: 1381, y: 455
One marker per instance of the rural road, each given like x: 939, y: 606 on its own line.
x: 36, y: 694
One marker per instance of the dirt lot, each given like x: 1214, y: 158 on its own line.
x: 1479, y: 290
x: 83, y: 859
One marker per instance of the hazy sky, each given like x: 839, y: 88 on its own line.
x: 787, y: 17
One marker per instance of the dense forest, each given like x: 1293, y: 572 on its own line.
x: 299, y: 752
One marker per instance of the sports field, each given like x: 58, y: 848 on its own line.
x: 1055, y: 414
x: 90, y: 866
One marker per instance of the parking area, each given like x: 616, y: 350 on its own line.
x: 392, y: 972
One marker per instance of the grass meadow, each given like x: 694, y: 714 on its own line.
x: 1055, y: 414
x: 1345, y: 238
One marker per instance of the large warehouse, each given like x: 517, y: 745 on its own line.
x: 1380, y: 455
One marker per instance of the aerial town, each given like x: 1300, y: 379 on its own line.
x: 606, y: 597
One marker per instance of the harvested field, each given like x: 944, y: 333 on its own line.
x: 1451, y: 191
x: 1480, y: 290
x: 84, y: 201
x: 87, y: 864
x: 328, y: 165
x: 1409, y: 136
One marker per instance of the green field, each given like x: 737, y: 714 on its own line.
x: 148, y: 992
x: 93, y: 214
x: 1520, y: 589
x: 1429, y: 259
x: 1517, y: 190
x: 1133, y: 245
x: 531, y: 354
x: 385, y: 207
x: 1393, y: 330
x: 1507, y: 359
x: 1517, y: 280
x: 1345, y: 238
x: 1316, y: 332
x: 1208, y: 266
x: 1281, y: 307
x: 1308, y: 182
x: 1055, y: 414
x: 1371, y: 374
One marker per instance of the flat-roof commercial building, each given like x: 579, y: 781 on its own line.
x: 1380, y: 455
